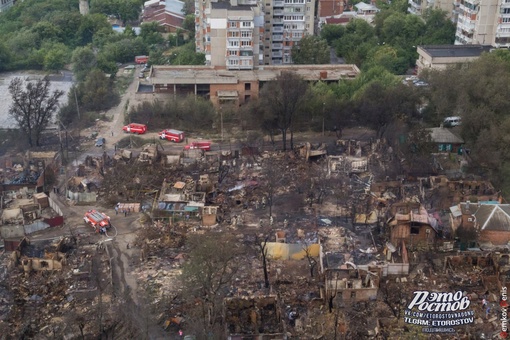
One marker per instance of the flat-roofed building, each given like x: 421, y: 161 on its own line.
x: 439, y: 57
x: 237, y: 87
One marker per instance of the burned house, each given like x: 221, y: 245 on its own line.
x: 180, y: 197
x: 346, y: 282
x: 253, y: 318
x: 43, y: 255
x: 412, y: 224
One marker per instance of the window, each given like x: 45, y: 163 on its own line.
x: 232, y: 24
x: 245, y: 43
x: 233, y: 62
x: 232, y: 53
x: 233, y: 34
x: 353, y: 295
x: 415, y: 230
x: 505, y: 10
x: 247, y: 86
x: 245, y: 34
x: 246, y: 24
x: 233, y: 43
x: 308, y: 8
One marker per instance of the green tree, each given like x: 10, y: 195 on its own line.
x: 90, y: 24
x: 151, y: 33
x: 189, y: 24
x: 45, y: 31
x: 282, y: 99
x: 33, y: 106
x: 96, y: 92
x: 5, y: 57
x: 57, y: 55
x: 84, y: 60
x: 311, y: 50
x: 439, y: 29
x: 332, y: 32
x: 212, y: 265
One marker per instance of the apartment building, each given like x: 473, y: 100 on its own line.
x: 5, y: 5
x: 286, y: 22
x: 242, y: 34
x: 418, y: 7
x: 485, y: 22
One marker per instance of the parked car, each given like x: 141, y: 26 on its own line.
x: 100, y: 141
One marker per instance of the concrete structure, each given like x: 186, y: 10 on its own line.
x: 241, y: 34
x: 236, y: 87
x: 168, y: 13
x: 418, y: 7
x: 439, y: 57
x: 483, y: 22
x: 5, y: 5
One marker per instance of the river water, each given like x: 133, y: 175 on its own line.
x: 62, y: 82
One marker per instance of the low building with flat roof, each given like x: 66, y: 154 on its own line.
x: 237, y: 87
x: 439, y: 57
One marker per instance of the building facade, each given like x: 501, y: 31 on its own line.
x: 167, y: 13
x: 5, y: 5
x: 485, y: 22
x: 242, y: 34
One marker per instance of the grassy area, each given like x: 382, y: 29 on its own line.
x: 122, y: 82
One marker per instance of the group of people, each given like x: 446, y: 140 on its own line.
x: 124, y: 211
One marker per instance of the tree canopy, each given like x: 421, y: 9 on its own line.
x: 33, y: 106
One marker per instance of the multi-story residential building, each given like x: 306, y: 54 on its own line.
x: 419, y: 7
x: 229, y: 33
x: 168, y: 13
x: 286, y: 22
x: 5, y: 4
x: 485, y: 22
x: 242, y: 34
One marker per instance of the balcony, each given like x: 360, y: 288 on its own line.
x: 277, y: 54
x: 278, y: 37
x: 276, y: 46
x: 277, y: 20
x: 278, y: 12
x: 278, y: 3
x: 278, y: 29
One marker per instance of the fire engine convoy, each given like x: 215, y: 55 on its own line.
x: 99, y: 221
x: 172, y: 135
x: 135, y: 128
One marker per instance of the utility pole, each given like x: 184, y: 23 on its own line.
x: 221, y: 122
x: 323, y: 106
x: 76, y: 100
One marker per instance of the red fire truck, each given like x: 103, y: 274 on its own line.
x: 202, y: 145
x: 141, y: 59
x: 172, y: 135
x: 97, y: 220
x: 135, y: 128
